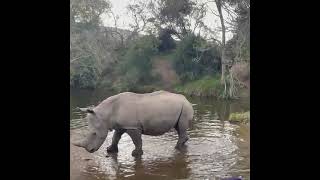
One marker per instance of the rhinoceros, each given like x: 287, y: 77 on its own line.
x: 135, y: 114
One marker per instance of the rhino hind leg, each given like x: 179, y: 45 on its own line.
x: 135, y: 135
x: 181, y: 127
x: 183, y: 138
x: 113, y: 148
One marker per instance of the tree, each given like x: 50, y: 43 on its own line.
x: 88, y: 46
x: 174, y: 13
x: 242, y: 30
x: 173, y: 17
x: 223, y: 40
x: 166, y: 41
x: 139, y: 14
x: 229, y: 13
x: 240, y: 45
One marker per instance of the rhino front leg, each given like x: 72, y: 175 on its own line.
x: 113, y: 148
x: 135, y: 135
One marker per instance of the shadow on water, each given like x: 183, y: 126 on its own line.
x: 216, y: 147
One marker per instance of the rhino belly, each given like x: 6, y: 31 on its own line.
x: 159, y: 123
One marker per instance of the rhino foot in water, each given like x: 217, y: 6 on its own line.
x: 137, y: 152
x: 135, y: 114
x: 182, y: 140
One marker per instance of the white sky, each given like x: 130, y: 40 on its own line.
x: 119, y: 9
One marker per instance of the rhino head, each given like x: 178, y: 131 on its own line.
x: 97, y: 133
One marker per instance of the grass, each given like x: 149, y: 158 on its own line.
x: 206, y: 86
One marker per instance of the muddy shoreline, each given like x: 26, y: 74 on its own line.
x: 79, y: 158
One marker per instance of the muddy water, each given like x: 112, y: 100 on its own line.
x: 216, y: 148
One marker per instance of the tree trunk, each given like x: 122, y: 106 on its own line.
x: 223, y: 43
x: 223, y: 64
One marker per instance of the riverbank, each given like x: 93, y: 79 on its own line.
x: 163, y: 76
x: 205, y: 87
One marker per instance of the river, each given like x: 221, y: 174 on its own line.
x: 216, y: 148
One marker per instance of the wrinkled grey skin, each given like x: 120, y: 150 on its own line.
x: 136, y: 114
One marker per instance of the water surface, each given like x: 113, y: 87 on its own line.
x: 216, y: 148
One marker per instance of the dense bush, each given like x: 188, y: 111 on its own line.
x: 135, y: 63
x: 195, y: 57
x: 85, y: 74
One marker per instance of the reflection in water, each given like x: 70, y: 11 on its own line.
x: 215, y: 149
x: 140, y: 168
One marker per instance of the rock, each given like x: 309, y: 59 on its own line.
x: 243, y: 117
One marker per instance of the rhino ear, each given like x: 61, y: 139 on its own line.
x: 87, y: 110
x: 90, y: 111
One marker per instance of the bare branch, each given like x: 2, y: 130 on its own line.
x: 215, y: 40
x: 79, y: 58
x: 212, y: 12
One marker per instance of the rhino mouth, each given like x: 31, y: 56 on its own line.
x: 91, y: 150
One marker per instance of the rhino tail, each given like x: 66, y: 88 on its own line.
x: 177, y: 123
